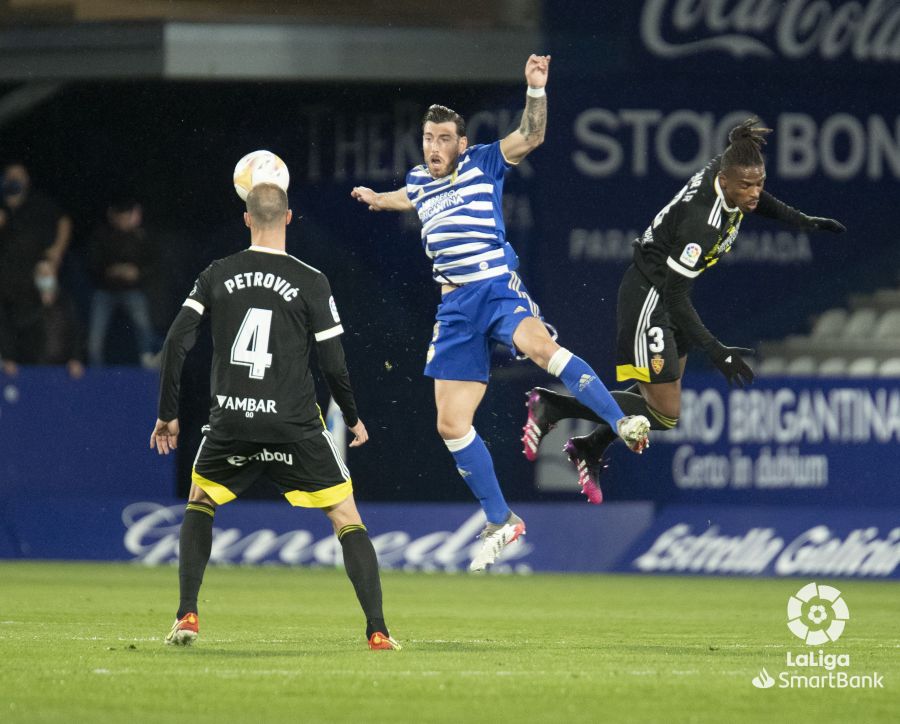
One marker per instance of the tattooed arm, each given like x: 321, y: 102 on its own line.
x: 530, y: 134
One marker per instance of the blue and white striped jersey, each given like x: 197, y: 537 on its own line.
x: 462, y: 217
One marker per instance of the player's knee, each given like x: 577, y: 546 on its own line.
x: 545, y: 354
x: 669, y: 410
x: 452, y: 429
x: 343, y: 513
x: 533, y: 340
x: 665, y: 399
x: 542, y: 352
x: 198, y: 495
x: 666, y: 421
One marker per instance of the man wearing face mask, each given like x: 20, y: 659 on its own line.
x: 62, y: 342
x: 32, y: 229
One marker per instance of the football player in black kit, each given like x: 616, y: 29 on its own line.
x: 657, y: 323
x: 266, y: 307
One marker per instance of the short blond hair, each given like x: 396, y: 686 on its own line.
x: 267, y: 204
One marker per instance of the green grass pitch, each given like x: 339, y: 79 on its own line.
x: 83, y: 643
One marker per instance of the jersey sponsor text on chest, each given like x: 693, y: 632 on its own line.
x: 249, y: 280
x: 246, y: 404
x: 441, y: 202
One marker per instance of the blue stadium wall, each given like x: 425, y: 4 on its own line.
x: 806, y: 485
x: 640, y: 96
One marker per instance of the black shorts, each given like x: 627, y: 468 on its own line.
x: 309, y: 473
x: 647, y: 345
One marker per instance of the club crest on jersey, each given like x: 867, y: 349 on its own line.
x: 333, y: 307
x: 691, y: 255
x: 657, y: 363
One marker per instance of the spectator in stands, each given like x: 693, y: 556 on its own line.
x: 63, y: 336
x: 49, y: 333
x: 32, y: 229
x: 122, y: 256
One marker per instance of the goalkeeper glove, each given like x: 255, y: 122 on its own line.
x: 732, y: 365
x: 820, y: 223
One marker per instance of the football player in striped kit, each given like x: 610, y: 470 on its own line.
x: 457, y: 194
x: 657, y: 323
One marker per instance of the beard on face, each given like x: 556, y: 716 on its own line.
x: 439, y: 167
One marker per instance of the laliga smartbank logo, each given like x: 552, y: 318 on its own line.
x: 817, y: 615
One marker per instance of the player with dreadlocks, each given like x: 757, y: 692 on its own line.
x: 657, y: 323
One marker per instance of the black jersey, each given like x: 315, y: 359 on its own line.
x: 691, y: 232
x: 266, y: 308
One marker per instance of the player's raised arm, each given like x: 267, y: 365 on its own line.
x: 385, y: 201
x: 530, y: 133
x: 773, y: 208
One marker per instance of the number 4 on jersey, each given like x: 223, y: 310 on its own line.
x: 251, y: 345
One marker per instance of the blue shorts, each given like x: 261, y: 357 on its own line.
x: 469, y: 319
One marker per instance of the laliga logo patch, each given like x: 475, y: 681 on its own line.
x: 817, y: 614
x: 691, y: 255
x: 333, y: 307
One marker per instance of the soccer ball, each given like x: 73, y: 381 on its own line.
x: 260, y: 167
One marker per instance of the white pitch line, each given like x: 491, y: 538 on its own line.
x: 299, y: 673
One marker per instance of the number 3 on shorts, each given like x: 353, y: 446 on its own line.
x: 659, y: 343
x: 251, y: 345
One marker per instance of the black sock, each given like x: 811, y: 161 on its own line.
x: 195, y: 544
x: 362, y: 570
x: 560, y: 406
x: 632, y: 403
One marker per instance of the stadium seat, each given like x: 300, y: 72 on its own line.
x: 888, y: 326
x: 890, y: 367
x: 833, y: 367
x: 829, y: 324
x: 801, y: 366
x: 887, y: 298
x: 863, y: 367
x: 772, y: 366
x: 860, y: 324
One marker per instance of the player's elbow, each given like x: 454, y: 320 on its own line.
x: 533, y: 140
x: 331, y: 369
